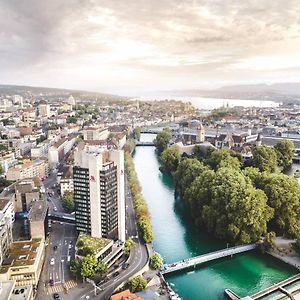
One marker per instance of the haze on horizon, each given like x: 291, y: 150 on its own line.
x: 133, y: 47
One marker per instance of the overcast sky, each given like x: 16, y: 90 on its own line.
x: 135, y: 46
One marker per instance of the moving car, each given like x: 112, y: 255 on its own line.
x: 51, y: 282
x: 116, y: 274
x: 56, y: 296
x: 52, y: 261
x: 125, y: 266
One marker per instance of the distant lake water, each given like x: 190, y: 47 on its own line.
x: 211, y: 103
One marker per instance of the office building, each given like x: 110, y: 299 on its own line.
x: 99, y: 192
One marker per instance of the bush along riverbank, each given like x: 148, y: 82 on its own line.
x: 140, y: 205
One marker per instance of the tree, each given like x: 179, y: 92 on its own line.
x: 198, y: 194
x: 137, y: 133
x: 285, y: 150
x: 169, y: 160
x: 137, y: 284
x: 75, y: 266
x: 68, y: 202
x: 89, y: 265
x: 265, y: 159
x: 41, y: 139
x: 127, y: 246
x: 71, y: 119
x: 188, y: 169
x: 162, y: 140
x: 223, y: 158
x: 101, y: 267
x: 3, y: 148
x: 283, y: 194
x: 156, y: 261
x: 237, y: 210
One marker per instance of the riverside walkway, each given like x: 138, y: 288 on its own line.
x: 194, y: 261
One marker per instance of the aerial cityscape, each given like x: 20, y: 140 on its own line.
x: 149, y: 150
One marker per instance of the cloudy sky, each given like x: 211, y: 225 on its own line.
x: 135, y: 46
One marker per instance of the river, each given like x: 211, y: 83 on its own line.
x: 176, y: 238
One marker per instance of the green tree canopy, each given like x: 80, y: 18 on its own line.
x: 127, y: 246
x: 169, y: 160
x: 90, y: 265
x: 162, y: 140
x: 265, y: 159
x: 188, y: 169
x: 156, y: 261
x: 223, y: 158
x: 237, y: 211
x: 137, y: 133
x: 75, y: 266
x: 137, y: 284
x: 283, y: 194
x: 68, y: 202
x: 285, y: 150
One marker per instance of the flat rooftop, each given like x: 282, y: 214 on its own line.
x: 22, y: 253
x: 91, y: 245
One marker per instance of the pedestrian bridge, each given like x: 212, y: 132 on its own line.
x: 62, y: 217
x: 144, y: 144
x: 194, y: 261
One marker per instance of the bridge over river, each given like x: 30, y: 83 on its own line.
x: 194, y: 261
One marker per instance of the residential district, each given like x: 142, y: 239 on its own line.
x: 70, y: 222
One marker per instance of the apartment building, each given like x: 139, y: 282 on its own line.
x: 28, y: 169
x: 6, y: 224
x: 24, y: 262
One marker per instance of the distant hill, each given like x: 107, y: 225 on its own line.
x: 275, y: 92
x: 50, y: 92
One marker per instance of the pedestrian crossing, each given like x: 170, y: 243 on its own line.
x: 61, y: 287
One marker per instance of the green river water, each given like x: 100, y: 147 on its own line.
x: 176, y: 238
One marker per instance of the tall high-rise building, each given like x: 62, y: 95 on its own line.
x: 99, y: 192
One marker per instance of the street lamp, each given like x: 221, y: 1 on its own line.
x: 62, y: 271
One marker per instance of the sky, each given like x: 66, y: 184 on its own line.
x: 132, y: 47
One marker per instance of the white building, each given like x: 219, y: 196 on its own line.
x: 99, y: 192
x: 95, y: 133
x: 6, y: 224
x: 44, y: 109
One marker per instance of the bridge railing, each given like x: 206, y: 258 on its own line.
x: 186, y: 263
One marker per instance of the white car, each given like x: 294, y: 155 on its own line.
x: 52, y: 261
x: 54, y: 208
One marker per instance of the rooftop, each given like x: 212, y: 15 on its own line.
x: 38, y: 210
x: 22, y: 253
x: 125, y: 295
x: 90, y: 245
x: 3, y: 203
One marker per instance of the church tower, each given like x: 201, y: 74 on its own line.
x: 200, y: 134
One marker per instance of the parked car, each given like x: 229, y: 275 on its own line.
x: 55, y: 248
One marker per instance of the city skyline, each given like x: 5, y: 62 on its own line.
x: 134, y: 47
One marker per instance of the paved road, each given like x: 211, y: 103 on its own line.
x: 63, y: 236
